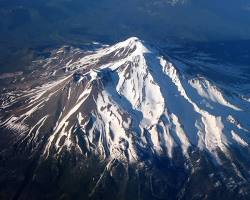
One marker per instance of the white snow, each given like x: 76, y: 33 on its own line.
x: 142, y: 94
x: 238, y: 139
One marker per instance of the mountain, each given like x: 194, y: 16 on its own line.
x: 121, y: 122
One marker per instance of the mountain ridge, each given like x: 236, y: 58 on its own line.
x: 126, y: 103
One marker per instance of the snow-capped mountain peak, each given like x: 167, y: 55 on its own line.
x: 122, y: 98
x: 124, y: 116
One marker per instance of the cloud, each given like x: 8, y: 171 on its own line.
x: 246, y: 7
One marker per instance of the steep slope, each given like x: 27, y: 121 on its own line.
x: 128, y: 106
